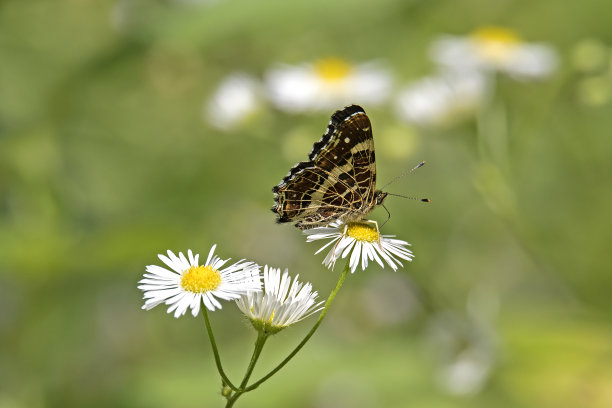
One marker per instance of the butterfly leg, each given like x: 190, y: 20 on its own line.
x: 378, y: 230
x: 388, y: 215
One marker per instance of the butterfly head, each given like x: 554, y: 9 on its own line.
x: 379, y: 196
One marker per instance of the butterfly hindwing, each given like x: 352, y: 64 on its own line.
x: 339, y: 179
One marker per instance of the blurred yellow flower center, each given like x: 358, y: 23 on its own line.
x: 496, y: 34
x: 200, y: 279
x: 361, y: 231
x: 496, y: 43
x: 332, y: 69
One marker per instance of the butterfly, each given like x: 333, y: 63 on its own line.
x: 338, y: 182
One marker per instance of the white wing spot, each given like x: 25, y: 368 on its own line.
x: 335, y: 157
x: 347, y: 139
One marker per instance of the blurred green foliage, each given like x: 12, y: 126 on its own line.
x: 105, y: 161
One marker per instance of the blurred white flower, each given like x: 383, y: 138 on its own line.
x: 235, y: 100
x: 280, y: 304
x: 363, y: 241
x: 327, y: 84
x: 443, y: 99
x: 188, y: 284
x: 466, y: 352
x: 495, y: 49
x: 467, y: 373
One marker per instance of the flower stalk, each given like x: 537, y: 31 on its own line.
x: 213, y: 344
x: 312, y: 331
x: 259, y: 344
x: 262, y: 336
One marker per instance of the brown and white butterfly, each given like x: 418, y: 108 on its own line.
x: 338, y: 182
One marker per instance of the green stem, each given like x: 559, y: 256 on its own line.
x: 259, y: 344
x: 492, y: 126
x: 213, y: 344
x: 231, y: 400
x: 331, y: 297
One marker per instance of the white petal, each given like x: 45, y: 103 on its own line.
x: 195, y: 305
x: 210, y: 254
x: 158, y: 270
x: 326, y: 245
x: 214, y: 301
x: 209, y: 305
x: 170, y: 263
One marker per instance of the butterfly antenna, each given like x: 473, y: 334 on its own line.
x: 394, y: 179
x: 425, y: 200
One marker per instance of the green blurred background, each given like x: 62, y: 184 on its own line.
x: 106, y: 161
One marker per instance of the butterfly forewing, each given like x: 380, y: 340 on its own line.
x: 339, y: 180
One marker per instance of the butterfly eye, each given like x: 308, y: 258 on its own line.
x: 380, y: 197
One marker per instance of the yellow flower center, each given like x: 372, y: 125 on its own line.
x: 496, y: 44
x: 496, y: 34
x: 332, y: 69
x: 200, y: 279
x: 363, y: 231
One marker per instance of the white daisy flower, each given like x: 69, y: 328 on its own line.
x: 236, y: 99
x: 495, y: 49
x: 443, y: 99
x: 363, y: 241
x: 327, y: 84
x: 280, y: 304
x: 189, y: 284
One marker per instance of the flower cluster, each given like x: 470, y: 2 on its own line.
x: 187, y: 285
x: 465, y: 65
x: 279, y: 303
x: 464, y: 72
x: 316, y: 86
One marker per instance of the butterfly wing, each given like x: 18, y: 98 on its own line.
x: 339, y: 179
